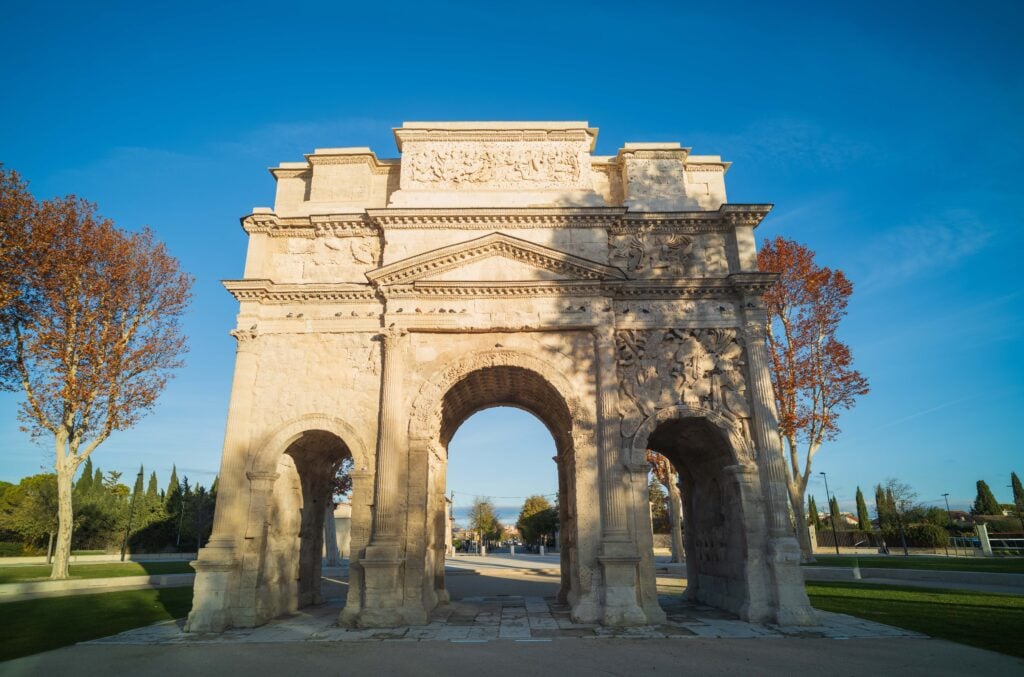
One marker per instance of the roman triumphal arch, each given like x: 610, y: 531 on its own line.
x: 384, y: 301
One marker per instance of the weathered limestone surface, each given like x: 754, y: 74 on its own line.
x: 383, y: 302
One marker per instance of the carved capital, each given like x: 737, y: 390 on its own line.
x: 246, y: 338
x: 391, y: 336
x: 755, y: 329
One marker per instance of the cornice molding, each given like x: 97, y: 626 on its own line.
x: 471, y: 219
x: 441, y: 260
x: 309, y: 227
x: 753, y: 283
x: 617, y: 220
x: 540, y: 289
x: 269, y: 292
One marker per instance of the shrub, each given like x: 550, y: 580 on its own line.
x: 10, y: 549
x: 918, y: 536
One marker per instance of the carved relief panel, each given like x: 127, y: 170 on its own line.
x: 496, y: 165
x: 699, y: 368
x: 651, y: 253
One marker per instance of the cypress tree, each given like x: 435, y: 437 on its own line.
x: 833, y: 507
x: 173, y: 491
x: 985, y: 503
x: 812, y: 509
x: 97, y: 482
x: 1018, y: 492
x: 84, y: 484
x: 883, y: 517
x: 138, y: 483
x: 173, y: 484
x: 151, y: 491
x: 863, y: 519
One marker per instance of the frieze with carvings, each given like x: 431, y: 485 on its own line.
x: 698, y: 368
x: 496, y: 165
x: 651, y: 253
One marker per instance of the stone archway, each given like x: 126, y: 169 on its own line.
x: 724, y: 530
x: 500, y: 263
x: 279, y: 570
x: 540, y: 387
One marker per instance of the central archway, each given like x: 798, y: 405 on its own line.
x: 497, y: 379
x: 524, y: 389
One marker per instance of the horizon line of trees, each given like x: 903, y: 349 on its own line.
x: 900, y: 518
x: 109, y: 514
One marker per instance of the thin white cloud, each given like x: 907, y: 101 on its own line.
x: 786, y: 142
x: 935, y: 245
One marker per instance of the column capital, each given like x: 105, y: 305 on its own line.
x: 245, y: 338
x: 391, y: 335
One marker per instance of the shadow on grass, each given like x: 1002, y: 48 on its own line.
x: 37, y: 625
x: 985, y: 620
x: 41, y: 572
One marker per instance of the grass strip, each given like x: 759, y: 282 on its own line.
x: 41, y: 572
x: 995, y: 565
x: 985, y: 620
x: 36, y: 625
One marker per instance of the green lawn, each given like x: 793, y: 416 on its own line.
x: 36, y: 625
x: 998, y: 565
x: 13, y: 574
x: 986, y: 620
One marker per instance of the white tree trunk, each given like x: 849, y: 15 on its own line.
x: 803, y: 537
x: 331, y: 536
x: 65, y: 518
x: 675, y: 515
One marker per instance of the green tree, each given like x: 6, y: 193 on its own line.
x: 30, y: 510
x: 84, y: 484
x: 900, y: 501
x: 660, y: 522
x: 863, y: 518
x: 812, y: 513
x: 884, y: 509
x: 483, y: 519
x: 834, y: 514
x: 985, y: 503
x: 538, y: 520
x: 1018, y: 496
x: 152, y: 492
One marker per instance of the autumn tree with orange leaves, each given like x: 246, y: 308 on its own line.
x: 90, y: 324
x: 812, y: 370
x: 669, y: 478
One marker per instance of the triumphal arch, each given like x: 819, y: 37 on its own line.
x: 384, y: 301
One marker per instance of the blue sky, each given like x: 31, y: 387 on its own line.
x: 888, y: 136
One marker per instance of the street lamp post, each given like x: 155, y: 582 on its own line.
x: 835, y: 536
x: 131, y: 512
x: 949, y: 516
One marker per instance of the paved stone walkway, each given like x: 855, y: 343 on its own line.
x: 509, y: 617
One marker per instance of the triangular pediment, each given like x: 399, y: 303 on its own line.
x: 494, y: 258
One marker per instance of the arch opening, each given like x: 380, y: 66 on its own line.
x: 300, y: 503
x: 713, y: 494
x: 520, y: 388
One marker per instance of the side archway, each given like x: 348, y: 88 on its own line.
x: 290, y: 477
x: 723, y: 516
x: 274, y: 444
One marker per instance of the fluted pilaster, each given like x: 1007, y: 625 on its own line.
x: 386, y: 486
x: 613, y: 513
x: 765, y: 423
